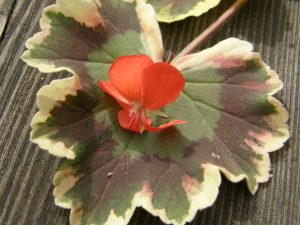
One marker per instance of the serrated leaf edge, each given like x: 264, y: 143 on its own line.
x: 239, y: 49
x: 199, y: 9
x: 38, y: 38
x: 205, y: 196
x: 150, y: 32
x: 47, y: 97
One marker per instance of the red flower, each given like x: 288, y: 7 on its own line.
x: 141, y: 86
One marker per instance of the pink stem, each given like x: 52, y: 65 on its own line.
x: 234, y: 9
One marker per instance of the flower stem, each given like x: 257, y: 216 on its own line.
x: 234, y: 9
x: 170, y: 58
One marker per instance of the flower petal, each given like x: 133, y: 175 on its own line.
x: 161, y: 84
x: 108, y: 88
x: 151, y: 128
x: 129, y: 122
x: 125, y: 75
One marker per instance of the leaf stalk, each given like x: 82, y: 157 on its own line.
x: 215, y: 26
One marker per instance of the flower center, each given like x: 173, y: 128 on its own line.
x: 136, y: 110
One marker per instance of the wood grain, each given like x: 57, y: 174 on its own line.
x: 6, y: 9
x: 26, y: 171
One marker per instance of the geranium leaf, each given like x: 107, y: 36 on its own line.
x: 174, y: 10
x: 232, y: 123
x: 112, y: 174
x: 231, y: 88
x: 86, y: 36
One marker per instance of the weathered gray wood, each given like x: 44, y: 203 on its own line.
x: 26, y: 171
x: 6, y: 9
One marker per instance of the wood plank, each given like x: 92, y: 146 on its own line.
x: 6, y: 10
x: 26, y: 171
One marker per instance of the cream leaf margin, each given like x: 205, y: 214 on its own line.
x: 164, y: 14
x: 239, y: 50
x: 87, y: 13
x: 47, y: 98
x: 203, y: 195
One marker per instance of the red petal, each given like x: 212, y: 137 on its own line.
x: 161, y: 85
x: 125, y: 75
x: 151, y: 128
x: 133, y: 123
x: 108, y: 88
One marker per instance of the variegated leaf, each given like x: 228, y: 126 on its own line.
x: 86, y: 36
x: 232, y: 119
x: 174, y: 10
x: 233, y: 122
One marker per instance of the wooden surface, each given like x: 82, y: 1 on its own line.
x: 26, y: 171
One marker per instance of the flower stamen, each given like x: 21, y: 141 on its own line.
x: 136, y: 110
x: 159, y: 113
x: 141, y: 86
